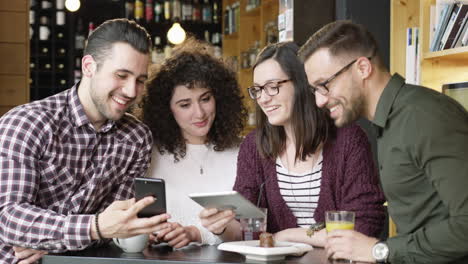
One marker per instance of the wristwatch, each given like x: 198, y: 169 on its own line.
x: 380, y: 252
x: 315, y: 228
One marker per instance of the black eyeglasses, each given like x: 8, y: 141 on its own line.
x: 271, y: 88
x: 322, y: 88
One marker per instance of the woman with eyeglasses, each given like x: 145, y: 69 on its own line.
x: 194, y: 109
x: 296, y: 163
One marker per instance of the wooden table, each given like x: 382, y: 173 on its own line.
x: 166, y: 255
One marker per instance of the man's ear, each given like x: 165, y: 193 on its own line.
x: 365, y: 67
x: 88, y: 66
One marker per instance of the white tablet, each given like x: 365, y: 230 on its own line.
x: 228, y: 200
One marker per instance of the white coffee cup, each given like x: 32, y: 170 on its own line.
x: 132, y: 244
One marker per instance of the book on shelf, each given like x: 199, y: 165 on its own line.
x: 459, y: 35
x: 463, y: 39
x: 412, y: 72
x: 448, y: 28
x: 443, y: 13
x: 458, y: 18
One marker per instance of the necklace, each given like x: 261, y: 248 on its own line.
x: 197, y: 151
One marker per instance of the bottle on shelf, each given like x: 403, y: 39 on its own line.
x: 157, y: 55
x: 90, y: 28
x: 167, y: 51
x: 60, y: 67
x: 139, y: 10
x: 206, y: 12
x: 79, y: 36
x: 176, y: 9
x: 158, y: 11
x: 129, y: 9
x: 60, y: 17
x: 149, y: 12
x: 45, y: 51
x: 187, y: 11
x: 196, y: 11
x: 167, y: 10
x: 61, y: 51
x: 59, y: 4
x: 215, y: 12
x: 206, y: 35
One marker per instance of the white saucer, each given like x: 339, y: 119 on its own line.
x: 252, y: 250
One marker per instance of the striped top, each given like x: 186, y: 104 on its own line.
x: 300, y: 191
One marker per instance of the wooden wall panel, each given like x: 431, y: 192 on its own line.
x: 14, y: 5
x: 13, y: 27
x: 13, y: 90
x: 14, y: 57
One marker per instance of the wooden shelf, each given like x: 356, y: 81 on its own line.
x: 449, y: 54
x: 232, y: 36
x: 251, y: 13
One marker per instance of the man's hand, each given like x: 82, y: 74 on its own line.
x: 350, y: 244
x: 179, y: 236
x: 28, y: 255
x: 216, y: 221
x: 119, y: 220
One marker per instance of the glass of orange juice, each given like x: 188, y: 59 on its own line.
x: 343, y: 220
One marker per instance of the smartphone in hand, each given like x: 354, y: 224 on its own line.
x: 151, y: 187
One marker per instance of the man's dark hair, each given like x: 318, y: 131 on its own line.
x: 343, y: 39
x: 112, y: 31
x: 311, y: 125
x: 194, y: 66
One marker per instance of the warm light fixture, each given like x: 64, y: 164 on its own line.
x: 72, y: 5
x: 176, y: 34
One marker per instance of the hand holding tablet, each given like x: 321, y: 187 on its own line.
x: 228, y: 200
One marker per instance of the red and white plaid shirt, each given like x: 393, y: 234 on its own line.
x: 56, y: 171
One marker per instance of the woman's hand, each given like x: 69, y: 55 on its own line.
x: 28, y: 255
x: 216, y: 221
x: 179, y: 236
x: 299, y: 235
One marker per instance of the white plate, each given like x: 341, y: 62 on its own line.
x: 252, y: 250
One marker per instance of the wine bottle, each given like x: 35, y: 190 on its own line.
x: 129, y: 9
x: 158, y: 11
x: 139, y: 10
x: 187, y: 10
x: 215, y: 12
x: 79, y: 36
x: 149, y: 12
x: 196, y: 11
x: 167, y: 10
x: 176, y: 9
x: 206, y: 11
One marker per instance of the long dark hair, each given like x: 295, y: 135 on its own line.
x: 311, y: 125
x: 193, y: 66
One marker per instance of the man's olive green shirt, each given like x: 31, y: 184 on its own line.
x: 423, y: 162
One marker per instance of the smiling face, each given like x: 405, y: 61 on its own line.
x: 115, y: 85
x: 277, y: 108
x: 194, y: 111
x: 344, y: 99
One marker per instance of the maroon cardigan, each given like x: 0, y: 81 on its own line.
x: 349, y: 182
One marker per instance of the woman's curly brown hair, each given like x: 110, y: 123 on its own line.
x: 193, y: 66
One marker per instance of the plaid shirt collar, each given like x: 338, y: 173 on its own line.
x: 78, y: 114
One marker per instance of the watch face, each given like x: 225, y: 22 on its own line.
x: 380, y: 251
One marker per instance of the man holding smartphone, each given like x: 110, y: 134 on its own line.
x: 65, y: 159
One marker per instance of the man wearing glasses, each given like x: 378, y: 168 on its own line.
x: 422, y: 149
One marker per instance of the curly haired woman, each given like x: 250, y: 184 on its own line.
x: 194, y: 109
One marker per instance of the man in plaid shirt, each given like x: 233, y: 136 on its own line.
x: 67, y: 162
